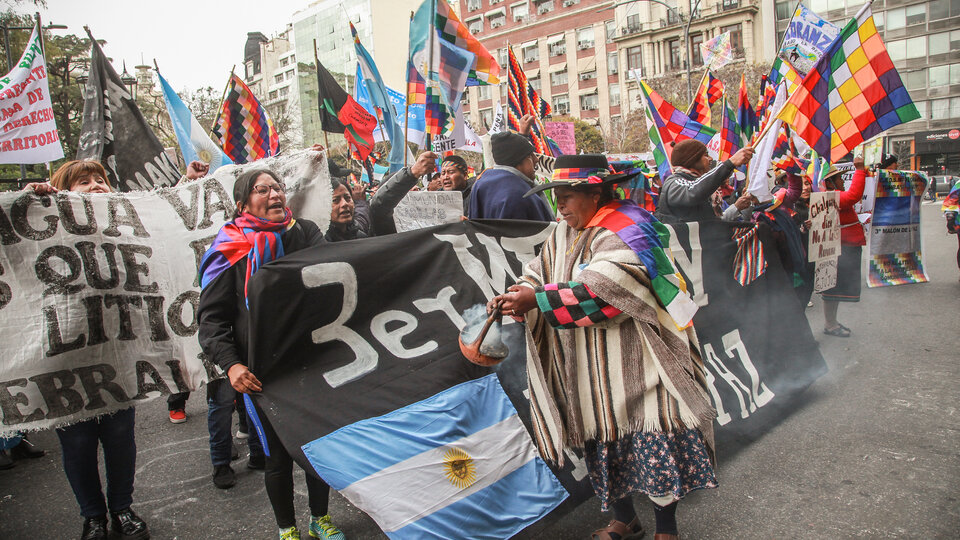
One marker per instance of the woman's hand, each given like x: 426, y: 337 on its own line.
x: 40, y: 188
x: 243, y: 380
x: 514, y: 303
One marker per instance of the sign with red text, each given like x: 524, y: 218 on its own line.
x: 562, y: 133
x: 29, y: 131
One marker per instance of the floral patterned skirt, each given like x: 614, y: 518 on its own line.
x: 656, y: 464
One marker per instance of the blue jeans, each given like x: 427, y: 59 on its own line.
x: 79, y: 443
x: 220, y: 397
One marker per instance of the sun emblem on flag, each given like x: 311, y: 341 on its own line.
x: 459, y: 468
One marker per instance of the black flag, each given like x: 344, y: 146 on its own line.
x: 115, y: 133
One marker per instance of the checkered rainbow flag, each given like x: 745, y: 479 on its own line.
x: 243, y: 128
x: 852, y: 94
x: 452, y: 30
x: 709, y: 92
x: 522, y: 99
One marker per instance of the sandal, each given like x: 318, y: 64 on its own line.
x: 633, y: 531
x: 839, y: 331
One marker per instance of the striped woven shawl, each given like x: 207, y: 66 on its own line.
x: 635, y: 372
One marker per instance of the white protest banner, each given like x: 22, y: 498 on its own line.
x: 825, y: 226
x: 29, y: 132
x: 98, y: 292
x: 420, y: 209
x: 807, y: 37
x: 499, y: 122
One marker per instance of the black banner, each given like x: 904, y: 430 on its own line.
x: 348, y: 331
x: 115, y: 133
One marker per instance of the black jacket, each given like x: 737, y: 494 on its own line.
x: 222, y: 313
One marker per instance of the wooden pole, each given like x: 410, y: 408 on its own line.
x: 43, y: 52
x: 432, y: 35
x: 222, y: 97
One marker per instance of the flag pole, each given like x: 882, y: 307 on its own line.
x: 406, y: 108
x: 222, y: 97
x: 43, y: 52
x: 432, y: 35
x: 316, y: 62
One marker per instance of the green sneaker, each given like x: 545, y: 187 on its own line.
x: 290, y: 533
x: 323, y: 527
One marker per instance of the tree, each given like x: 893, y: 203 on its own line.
x: 627, y: 133
x: 204, y: 103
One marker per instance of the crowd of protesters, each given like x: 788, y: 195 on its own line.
x: 623, y: 462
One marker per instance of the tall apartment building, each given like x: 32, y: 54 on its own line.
x: 923, y: 39
x: 270, y: 70
x: 565, y: 48
x: 650, y: 37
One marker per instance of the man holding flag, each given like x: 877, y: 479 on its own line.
x: 685, y: 194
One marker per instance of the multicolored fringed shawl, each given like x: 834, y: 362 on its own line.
x: 606, y: 360
x: 259, y: 240
x: 647, y: 237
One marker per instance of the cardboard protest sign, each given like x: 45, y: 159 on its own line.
x: 98, y: 292
x: 29, y: 132
x: 563, y: 134
x: 419, y: 209
x: 825, y: 226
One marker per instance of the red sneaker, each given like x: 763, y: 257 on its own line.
x: 177, y: 416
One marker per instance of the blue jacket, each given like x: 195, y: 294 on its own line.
x: 498, y: 194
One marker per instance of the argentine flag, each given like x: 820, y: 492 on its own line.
x: 194, y: 142
x: 456, y: 465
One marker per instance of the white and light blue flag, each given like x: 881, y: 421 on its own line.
x: 195, y: 144
x: 457, y: 464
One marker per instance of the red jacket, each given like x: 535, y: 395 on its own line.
x: 851, y: 232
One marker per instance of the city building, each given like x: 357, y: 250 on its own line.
x: 323, y: 27
x: 270, y: 70
x: 923, y: 39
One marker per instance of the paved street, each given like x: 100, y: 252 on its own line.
x: 869, y: 452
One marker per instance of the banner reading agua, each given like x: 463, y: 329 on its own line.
x: 98, y: 293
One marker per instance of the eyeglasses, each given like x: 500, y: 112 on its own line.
x: 264, y: 189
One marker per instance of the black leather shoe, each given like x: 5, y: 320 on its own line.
x: 224, y: 477
x: 128, y: 525
x: 94, y: 528
x: 26, y: 450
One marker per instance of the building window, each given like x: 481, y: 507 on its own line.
x: 589, y: 102
x: 736, y: 37
x: 497, y: 19
x: 520, y: 12
x: 561, y: 104
x: 941, y: 9
x: 475, y: 26
x: 610, y: 30
x: 504, y: 59
x: 835, y: 5
x: 732, y: 4
x: 633, y: 23
x: 879, y: 19
x: 278, y: 78
x: 942, y: 109
x: 585, y: 38
x: 544, y: 6
x: 906, y: 49
x: 473, y: 5
x: 635, y: 57
x: 568, y: 3
x: 289, y: 74
x: 587, y: 75
x: 557, y: 45
x: 558, y: 78
x: 613, y: 63
x: 483, y: 91
x: 531, y: 53
x: 944, y: 42
x: 273, y: 94
x: 908, y: 16
x: 674, y: 46
x: 922, y: 109
x: 284, y: 91
x: 614, y: 95
x: 914, y: 80
x: 785, y: 10
x: 695, y: 53
x: 284, y: 62
x: 535, y: 83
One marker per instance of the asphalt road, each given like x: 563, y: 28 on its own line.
x: 869, y: 452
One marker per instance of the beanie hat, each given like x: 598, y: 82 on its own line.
x: 687, y: 153
x: 510, y: 148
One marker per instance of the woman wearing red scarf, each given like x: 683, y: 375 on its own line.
x: 262, y: 231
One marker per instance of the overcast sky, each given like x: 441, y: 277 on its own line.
x: 195, y: 42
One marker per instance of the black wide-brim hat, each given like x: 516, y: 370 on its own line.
x: 582, y: 170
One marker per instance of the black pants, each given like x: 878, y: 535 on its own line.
x: 278, y: 478
x: 177, y: 401
x: 80, y: 443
